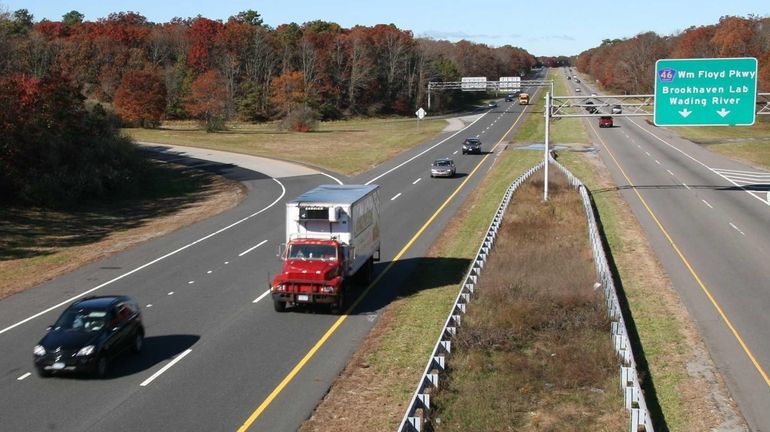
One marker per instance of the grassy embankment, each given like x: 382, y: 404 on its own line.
x: 39, y: 244
x: 347, y: 147
x: 747, y: 143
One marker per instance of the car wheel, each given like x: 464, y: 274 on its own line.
x: 42, y: 373
x: 136, y: 347
x: 279, y: 306
x: 100, y: 369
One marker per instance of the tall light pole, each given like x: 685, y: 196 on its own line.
x: 547, y: 128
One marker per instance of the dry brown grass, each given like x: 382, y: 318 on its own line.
x: 534, y: 351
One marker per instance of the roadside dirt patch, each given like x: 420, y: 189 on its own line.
x: 37, y: 245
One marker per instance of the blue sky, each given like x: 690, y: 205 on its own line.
x: 542, y: 28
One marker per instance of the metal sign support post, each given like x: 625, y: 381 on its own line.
x: 547, y: 127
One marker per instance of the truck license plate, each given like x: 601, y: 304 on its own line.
x: 303, y: 297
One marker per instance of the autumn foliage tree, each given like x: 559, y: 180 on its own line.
x: 53, y: 151
x: 287, y: 91
x: 207, y: 101
x: 141, y: 98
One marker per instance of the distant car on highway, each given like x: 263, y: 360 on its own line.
x: 605, y: 121
x: 617, y: 109
x: 443, y: 167
x: 510, y: 97
x: 591, y: 108
x: 577, y: 89
x: 492, y: 104
x: 88, y: 334
x: 472, y: 145
x: 593, y: 94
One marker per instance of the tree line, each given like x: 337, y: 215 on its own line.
x: 628, y: 65
x: 242, y: 69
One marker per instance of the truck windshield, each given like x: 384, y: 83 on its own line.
x: 313, y: 252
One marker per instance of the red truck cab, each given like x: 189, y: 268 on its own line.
x: 312, y: 272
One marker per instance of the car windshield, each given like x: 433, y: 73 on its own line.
x: 313, y: 252
x: 81, y: 320
x: 442, y: 163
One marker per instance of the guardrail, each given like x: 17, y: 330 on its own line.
x: 418, y: 412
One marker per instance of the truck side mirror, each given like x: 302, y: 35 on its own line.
x: 281, y: 250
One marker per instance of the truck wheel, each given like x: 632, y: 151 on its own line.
x: 370, y: 271
x: 279, y: 306
x: 339, y: 306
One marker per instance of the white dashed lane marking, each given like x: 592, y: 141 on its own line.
x: 396, y: 196
x: 23, y: 376
x: 264, y: 294
x: 415, y: 182
x: 252, y: 248
x: 737, y: 229
x: 707, y: 203
x: 165, y: 368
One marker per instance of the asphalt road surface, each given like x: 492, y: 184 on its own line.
x: 708, y: 220
x: 216, y: 355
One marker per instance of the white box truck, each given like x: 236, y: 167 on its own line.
x: 332, y: 234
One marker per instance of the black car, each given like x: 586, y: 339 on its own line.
x: 88, y: 334
x: 591, y: 109
x: 472, y: 145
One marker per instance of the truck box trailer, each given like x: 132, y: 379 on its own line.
x: 332, y: 235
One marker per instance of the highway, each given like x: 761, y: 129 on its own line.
x: 708, y: 220
x: 216, y: 354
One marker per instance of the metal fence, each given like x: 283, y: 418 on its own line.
x: 418, y: 412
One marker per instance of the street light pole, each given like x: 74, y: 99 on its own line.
x: 545, y: 158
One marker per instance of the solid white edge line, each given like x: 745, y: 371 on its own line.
x: 425, y: 151
x: 24, y: 376
x: 415, y: 182
x: 165, y: 368
x: 69, y: 300
x: 331, y: 177
x: 252, y: 248
x: 264, y: 294
x: 707, y: 203
x: 396, y: 196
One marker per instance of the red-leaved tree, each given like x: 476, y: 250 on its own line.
x: 141, y: 98
x: 208, y: 100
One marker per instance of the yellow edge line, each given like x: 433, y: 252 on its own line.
x: 279, y: 388
x: 687, y: 264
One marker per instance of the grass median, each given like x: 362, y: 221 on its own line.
x: 533, y: 352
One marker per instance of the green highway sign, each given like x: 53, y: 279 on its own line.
x: 705, y: 92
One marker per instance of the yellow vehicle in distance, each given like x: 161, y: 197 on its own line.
x: 523, y: 98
